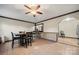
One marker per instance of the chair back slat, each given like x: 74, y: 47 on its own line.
x: 12, y: 34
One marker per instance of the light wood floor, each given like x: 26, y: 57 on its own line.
x: 69, y: 41
x: 40, y: 47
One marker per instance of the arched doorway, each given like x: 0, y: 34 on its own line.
x: 68, y: 31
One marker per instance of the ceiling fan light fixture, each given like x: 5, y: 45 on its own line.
x: 33, y: 9
x: 32, y: 5
x: 33, y: 12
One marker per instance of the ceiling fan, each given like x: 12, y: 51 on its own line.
x: 33, y: 9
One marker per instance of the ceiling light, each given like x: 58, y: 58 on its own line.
x: 33, y: 9
x: 69, y: 19
x: 33, y: 12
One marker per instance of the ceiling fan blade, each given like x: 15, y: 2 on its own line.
x: 27, y: 12
x: 39, y: 12
x: 34, y: 15
x: 38, y: 7
x: 27, y: 7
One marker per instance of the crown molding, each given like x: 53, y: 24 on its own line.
x: 16, y: 19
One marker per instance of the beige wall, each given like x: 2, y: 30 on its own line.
x: 7, y: 26
x: 51, y: 26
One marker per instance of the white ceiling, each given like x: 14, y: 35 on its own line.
x: 49, y: 10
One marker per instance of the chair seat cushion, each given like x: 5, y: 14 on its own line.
x: 17, y: 37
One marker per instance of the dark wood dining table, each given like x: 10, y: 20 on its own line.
x: 21, y: 41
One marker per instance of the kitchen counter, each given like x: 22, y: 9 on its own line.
x: 50, y: 35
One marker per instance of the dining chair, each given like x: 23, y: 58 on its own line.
x: 26, y: 41
x: 30, y: 36
x: 0, y: 40
x: 14, y: 37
